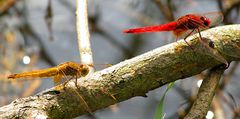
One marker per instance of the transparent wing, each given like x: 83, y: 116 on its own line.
x: 215, y: 17
x: 185, y: 34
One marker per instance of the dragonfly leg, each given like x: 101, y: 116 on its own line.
x: 67, y: 80
x: 81, y: 97
x: 176, y: 39
x: 199, y: 33
x: 76, y: 81
x: 65, y: 76
x: 186, y: 38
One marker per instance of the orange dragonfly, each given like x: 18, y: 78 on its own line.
x: 193, y: 22
x: 65, y: 69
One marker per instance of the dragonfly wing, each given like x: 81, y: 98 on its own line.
x: 181, y: 34
x: 215, y: 18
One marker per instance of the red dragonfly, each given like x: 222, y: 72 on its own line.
x: 182, y: 25
x: 186, y: 25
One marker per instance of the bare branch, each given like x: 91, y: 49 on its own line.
x: 205, y: 94
x: 83, y: 33
x: 130, y: 78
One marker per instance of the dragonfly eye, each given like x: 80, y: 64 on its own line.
x: 84, y: 71
x: 203, y: 18
x: 206, y: 21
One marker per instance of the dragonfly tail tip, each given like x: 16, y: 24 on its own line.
x: 12, y: 76
x: 127, y: 31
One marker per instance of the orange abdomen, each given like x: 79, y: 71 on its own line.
x: 36, y: 74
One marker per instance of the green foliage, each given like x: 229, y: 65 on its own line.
x: 160, y: 106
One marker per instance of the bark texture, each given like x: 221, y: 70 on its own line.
x: 206, y: 93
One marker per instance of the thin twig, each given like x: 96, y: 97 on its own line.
x: 83, y: 33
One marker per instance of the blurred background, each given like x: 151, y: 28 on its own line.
x: 41, y: 34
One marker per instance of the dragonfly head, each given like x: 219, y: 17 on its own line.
x: 84, y: 70
x: 205, y: 21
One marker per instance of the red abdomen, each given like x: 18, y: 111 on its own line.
x: 164, y: 27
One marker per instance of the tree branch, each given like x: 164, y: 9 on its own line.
x: 205, y: 94
x: 130, y: 78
